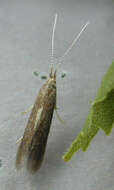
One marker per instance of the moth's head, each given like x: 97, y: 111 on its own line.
x: 52, y: 75
x: 52, y: 79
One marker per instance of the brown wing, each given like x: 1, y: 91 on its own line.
x: 24, y: 145
x: 38, y: 145
x: 27, y: 137
x: 20, y: 155
x: 34, y: 141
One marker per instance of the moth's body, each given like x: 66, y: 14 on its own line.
x: 33, y: 144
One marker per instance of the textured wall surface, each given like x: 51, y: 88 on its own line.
x: 25, y: 46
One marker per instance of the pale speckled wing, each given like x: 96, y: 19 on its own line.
x: 32, y: 146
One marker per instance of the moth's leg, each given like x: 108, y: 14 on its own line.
x: 58, y: 116
x: 19, y: 140
x: 29, y: 109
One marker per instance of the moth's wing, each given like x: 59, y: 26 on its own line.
x: 39, y: 140
x: 24, y: 146
x: 34, y: 142
x: 26, y: 140
x: 36, y: 151
x: 20, y: 157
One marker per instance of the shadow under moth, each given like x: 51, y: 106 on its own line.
x: 33, y: 143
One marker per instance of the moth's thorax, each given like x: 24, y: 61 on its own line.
x: 47, y: 92
x: 51, y: 83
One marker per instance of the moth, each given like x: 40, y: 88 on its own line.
x: 33, y: 143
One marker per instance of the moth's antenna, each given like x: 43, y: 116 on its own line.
x: 53, y: 36
x: 72, y: 44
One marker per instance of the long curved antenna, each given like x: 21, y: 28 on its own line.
x: 53, y: 35
x: 72, y: 44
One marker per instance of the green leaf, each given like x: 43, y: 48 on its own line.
x: 101, y: 115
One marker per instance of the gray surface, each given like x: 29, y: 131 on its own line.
x: 25, y: 42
